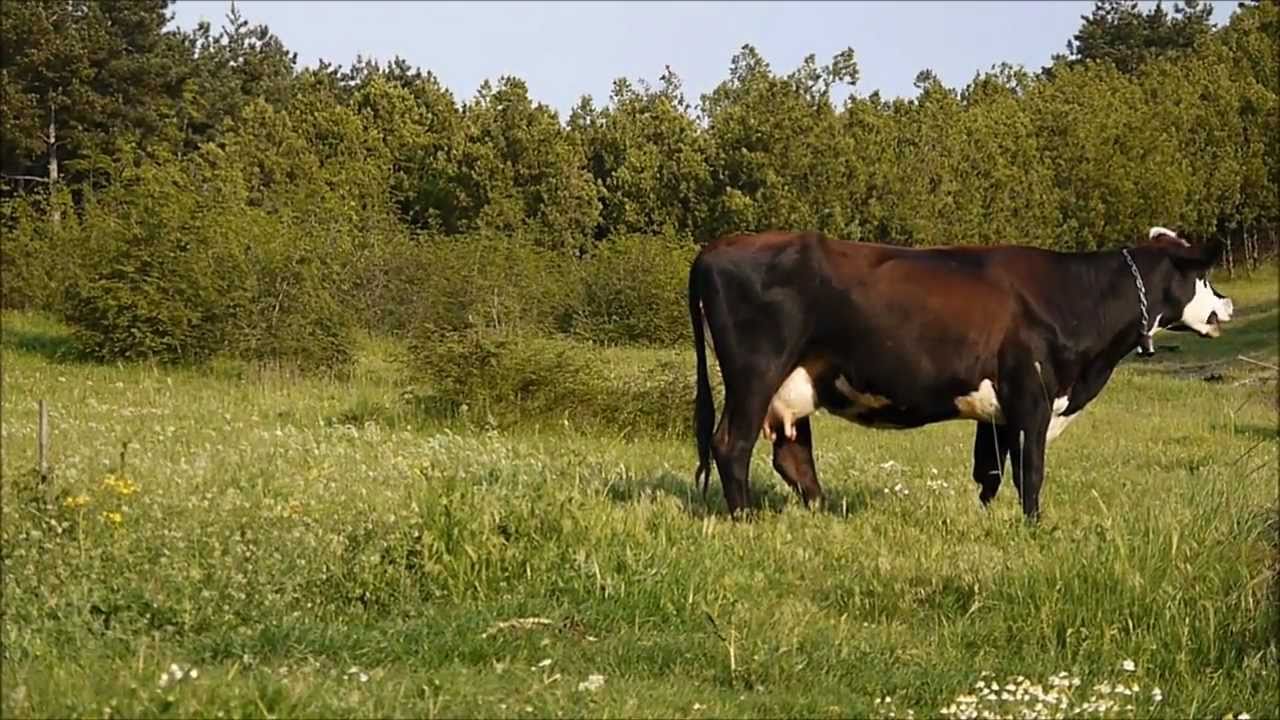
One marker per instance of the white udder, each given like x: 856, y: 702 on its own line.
x: 796, y: 398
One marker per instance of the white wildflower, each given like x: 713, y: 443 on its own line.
x: 594, y: 682
x: 1128, y: 665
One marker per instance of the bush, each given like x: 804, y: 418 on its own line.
x: 38, y: 258
x: 500, y: 379
x: 188, y: 269
x: 483, y: 282
x: 634, y: 292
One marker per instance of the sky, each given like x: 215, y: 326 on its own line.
x: 564, y: 50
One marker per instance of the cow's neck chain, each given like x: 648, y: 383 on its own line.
x: 1142, y: 301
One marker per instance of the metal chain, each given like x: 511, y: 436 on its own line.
x: 1142, y: 290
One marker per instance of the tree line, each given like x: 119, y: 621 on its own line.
x: 138, y: 156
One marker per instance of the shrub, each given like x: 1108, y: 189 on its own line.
x: 484, y: 281
x: 165, y: 287
x: 633, y: 292
x: 38, y: 258
x: 501, y: 379
x: 188, y: 269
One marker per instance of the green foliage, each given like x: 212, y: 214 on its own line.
x: 775, y: 153
x: 225, y: 72
x: 520, y: 171
x: 491, y: 379
x: 99, y: 75
x: 1119, y: 33
x: 39, y: 259
x: 379, y: 200
x: 485, y: 281
x: 185, y: 269
x: 633, y: 292
x: 649, y: 158
x: 421, y: 127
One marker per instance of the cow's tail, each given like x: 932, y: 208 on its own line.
x: 704, y: 413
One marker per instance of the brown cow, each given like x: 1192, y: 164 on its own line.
x: 1018, y: 339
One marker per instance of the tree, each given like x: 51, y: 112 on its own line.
x: 422, y: 128
x: 1112, y: 166
x: 83, y: 78
x: 776, y: 154
x: 646, y: 154
x: 520, y: 171
x: 240, y: 64
x: 1118, y: 32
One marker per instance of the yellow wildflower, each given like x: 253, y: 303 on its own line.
x: 112, y: 517
x: 121, y: 485
x: 76, y: 501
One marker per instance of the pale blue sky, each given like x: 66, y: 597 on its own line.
x: 566, y: 49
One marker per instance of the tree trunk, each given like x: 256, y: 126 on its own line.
x: 1249, y: 260
x: 1226, y: 257
x: 55, y: 214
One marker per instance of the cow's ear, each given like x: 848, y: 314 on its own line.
x: 1200, y: 256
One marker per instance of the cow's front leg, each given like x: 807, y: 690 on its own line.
x: 1033, y: 444
x: 989, y: 453
x: 1027, y: 412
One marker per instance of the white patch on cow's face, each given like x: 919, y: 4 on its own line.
x: 1057, y: 421
x: 1204, y: 307
x: 796, y: 398
x: 981, y: 404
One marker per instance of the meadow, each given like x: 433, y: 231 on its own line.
x: 239, y: 541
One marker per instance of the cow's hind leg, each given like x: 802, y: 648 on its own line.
x: 735, y: 438
x: 793, y: 459
x: 754, y: 361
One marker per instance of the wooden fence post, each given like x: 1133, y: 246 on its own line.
x: 42, y: 441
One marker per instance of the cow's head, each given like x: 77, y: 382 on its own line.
x: 1184, y: 298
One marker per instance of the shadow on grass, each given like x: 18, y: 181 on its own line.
x: 769, y: 496
x: 1255, y: 332
x: 1252, y: 431
x: 52, y: 343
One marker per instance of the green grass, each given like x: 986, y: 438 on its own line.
x: 316, y: 548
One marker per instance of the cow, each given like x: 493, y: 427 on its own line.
x: 1019, y: 339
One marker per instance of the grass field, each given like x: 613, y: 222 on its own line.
x: 268, y: 545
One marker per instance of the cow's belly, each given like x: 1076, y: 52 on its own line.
x: 813, y: 386
x: 983, y: 405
